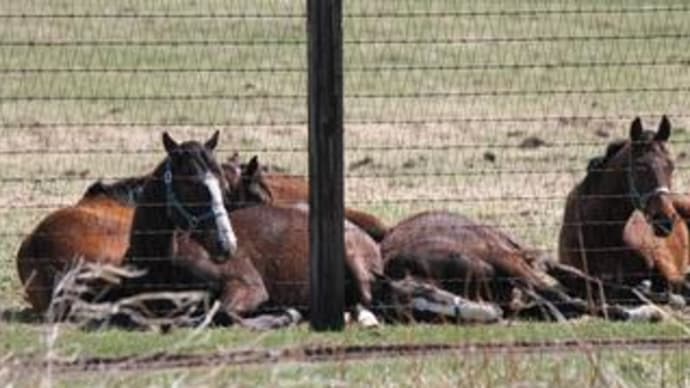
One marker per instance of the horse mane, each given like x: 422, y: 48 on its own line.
x: 597, y: 163
x: 126, y: 191
x: 611, y: 149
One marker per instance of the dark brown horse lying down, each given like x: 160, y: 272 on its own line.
x: 479, y: 262
x: 621, y: 223
x: 185, y: 194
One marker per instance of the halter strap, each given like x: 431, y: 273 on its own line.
x: 639, y: 200
x: 173, y: 204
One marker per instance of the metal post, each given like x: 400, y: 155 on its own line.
x: 326, y: 226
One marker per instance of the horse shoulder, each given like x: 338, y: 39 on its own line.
x: 569, y: 234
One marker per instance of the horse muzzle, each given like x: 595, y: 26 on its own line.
x: 659, y: 212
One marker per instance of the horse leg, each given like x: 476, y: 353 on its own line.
x: 575, y: 306
x: 641, y: 294
x: 365, y: 317
x: 573, y: 278
x: 426, y: 299
x: 288, y: 317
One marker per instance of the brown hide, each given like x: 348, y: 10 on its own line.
x: 460, y: 255
x: 288, y: 189
x: 661, y: 253
x: 275, y: 239
x: 96, y: 229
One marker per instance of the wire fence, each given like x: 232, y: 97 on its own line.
x: 490, y: 110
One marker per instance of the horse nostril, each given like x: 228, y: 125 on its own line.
x: 224, y: 250
x: 662, y: 225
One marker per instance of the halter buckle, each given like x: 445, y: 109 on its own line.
x: 167, y: 176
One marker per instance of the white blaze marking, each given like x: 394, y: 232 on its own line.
x: 226, y: 235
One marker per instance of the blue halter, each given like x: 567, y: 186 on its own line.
x: 173, y: 204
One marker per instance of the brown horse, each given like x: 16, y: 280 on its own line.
x: 480, y: 262
x: 620, y: 223
x: 185, y: 195
x: 95, y: 229
x: 287, y: 190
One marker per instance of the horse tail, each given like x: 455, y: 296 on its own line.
x: 373, y: 226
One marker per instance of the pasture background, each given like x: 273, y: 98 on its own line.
x: 488, y: 108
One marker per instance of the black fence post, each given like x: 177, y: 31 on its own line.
x: 326, y: 227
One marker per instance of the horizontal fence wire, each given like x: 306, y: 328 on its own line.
x: 507, y: 110
x: 432, y: 120
x: 424, y: 95
x: 368, y: 15
x: 353, y: 42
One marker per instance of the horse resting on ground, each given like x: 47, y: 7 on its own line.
x: 185, y: 194
x: 622, y: 224
x: 172, y: 238
x: 479, y: 262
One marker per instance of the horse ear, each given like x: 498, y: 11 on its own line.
x: 212, y: 142
x: 252, y: 167
x: 636, y: 129
x: 664, y: 131
x: 169, y: 143
x: 261, y: 191
x: 234, y: 159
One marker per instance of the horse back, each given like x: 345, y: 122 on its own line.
x: 289, y: 189
x: 454, y: 250
x: 96, y: 230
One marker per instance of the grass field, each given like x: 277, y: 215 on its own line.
x: 440, y: 111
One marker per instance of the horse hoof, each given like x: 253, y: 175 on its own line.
x: 676, y: 302
x: 366, y: 318
x: 477, y: 312
x: 294, y: 316
x: 462, y: 310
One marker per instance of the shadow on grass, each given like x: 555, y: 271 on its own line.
x: 24, y: 315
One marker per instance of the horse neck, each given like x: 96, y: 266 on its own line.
x: 152, y: 230
x: 610, y: 195
x: 127, y: 191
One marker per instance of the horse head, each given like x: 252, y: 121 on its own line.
x: 195, y: 199
x: 247, y: 184
x: 641, y: 168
